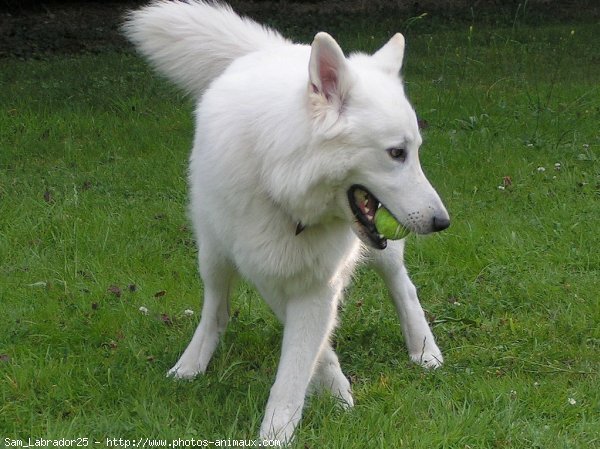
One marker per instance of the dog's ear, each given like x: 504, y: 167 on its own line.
x: 389, y: 57
x: 328, y: 71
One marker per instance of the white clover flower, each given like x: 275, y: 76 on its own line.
x: 541, y: 169
x: 143, y: 310
x: 557, y: 166
x: 188, y: 312
x: 501, y: 188
x: 572, y: 401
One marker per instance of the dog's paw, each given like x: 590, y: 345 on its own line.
x: 282, y: 438
x: 278, y: 435
x: 345, y: 400
x: 334, y: 382
x: 428, y: 359
x: 184, y: 372
x: 279, y: 423
x: 343, y: 393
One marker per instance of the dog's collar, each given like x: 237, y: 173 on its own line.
x: 299, y: 228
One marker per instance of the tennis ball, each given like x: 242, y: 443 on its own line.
x: 388, y: 226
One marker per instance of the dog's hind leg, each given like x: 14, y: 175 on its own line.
x: 328, y: 376
x: 217, y: 275
x: 419, y: 340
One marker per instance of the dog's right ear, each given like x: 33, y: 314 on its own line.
x: 328, y: 71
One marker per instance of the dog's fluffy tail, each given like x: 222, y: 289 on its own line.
x: 193, y: 42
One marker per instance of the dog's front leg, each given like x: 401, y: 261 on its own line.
x: 420, y: 342
x: 308, y: 323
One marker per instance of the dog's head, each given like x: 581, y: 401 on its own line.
x: 358, y: 104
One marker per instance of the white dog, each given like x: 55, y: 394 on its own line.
x: 296, y: 147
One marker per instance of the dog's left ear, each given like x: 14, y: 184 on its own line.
x: 389, y: 57
x: 327, y: 69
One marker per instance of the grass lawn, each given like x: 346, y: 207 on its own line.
x: 93, y: 156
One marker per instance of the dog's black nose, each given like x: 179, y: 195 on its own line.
x: 440, y: 223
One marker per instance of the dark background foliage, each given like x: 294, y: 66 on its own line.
x: 33, y: 28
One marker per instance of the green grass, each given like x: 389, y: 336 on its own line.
x: 93, y: 155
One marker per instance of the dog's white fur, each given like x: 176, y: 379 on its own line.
x: 282, y: 132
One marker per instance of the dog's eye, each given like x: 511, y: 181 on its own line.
x: 398, y: 154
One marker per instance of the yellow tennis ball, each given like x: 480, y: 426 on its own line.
x: 388, y: 226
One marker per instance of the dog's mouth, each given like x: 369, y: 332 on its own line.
x: 364, y: 205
